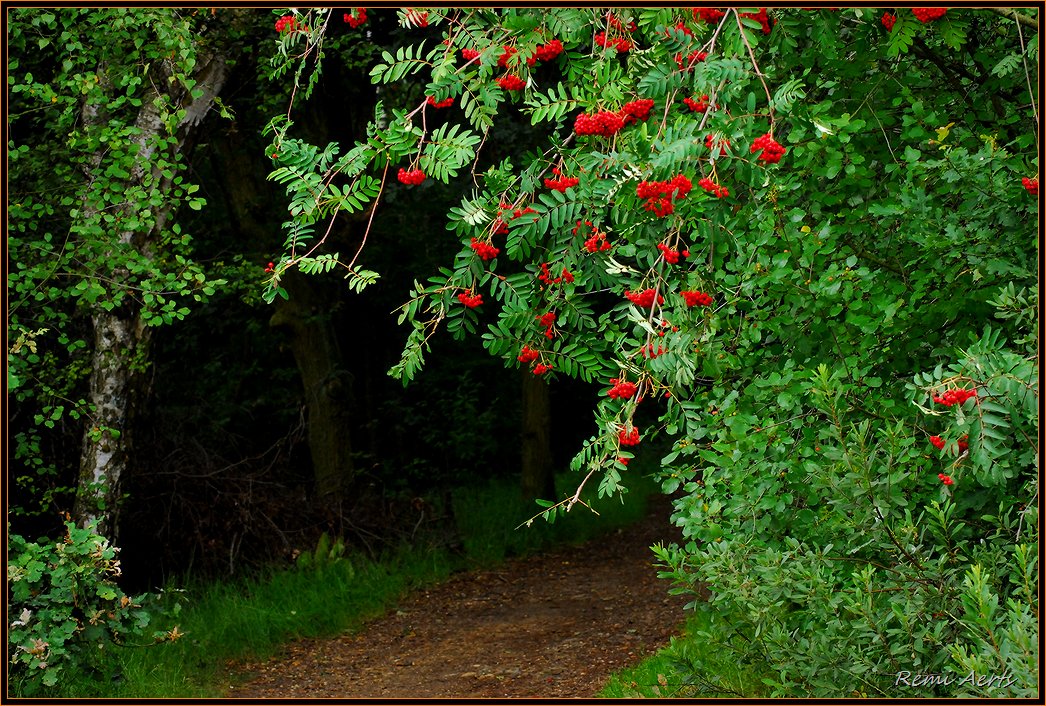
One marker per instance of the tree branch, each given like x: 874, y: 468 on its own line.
x: 1016, y: 16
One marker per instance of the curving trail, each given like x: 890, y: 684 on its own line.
x: 553, y: 625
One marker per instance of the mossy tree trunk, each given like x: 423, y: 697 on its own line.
x: 307, y: 320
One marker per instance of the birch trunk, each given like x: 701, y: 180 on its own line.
x: 121, y: 339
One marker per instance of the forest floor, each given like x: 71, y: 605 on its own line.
x: 549, y: 625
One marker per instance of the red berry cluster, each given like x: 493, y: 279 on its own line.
x: 470, y: 300
x: 561, y: 184
x: 541, y: 369
x: 708, y: 14
x: 622, y: 389
x: 644, y: 299
x: 928, y: 14
x: 421, y: 19
x: 620, y: 43
x: 659, y: 194
x: 939, y: 443
x: 760, y: 17
x: 672, y: 256
x: 772, y: 150
x: 692, y: 60
x: 506, y: 56
x: 648, y: 351
x: 888, y: 21
x: 356, y: 18
x: 636, y: 110
x: 486, y: 251
x: 412, y: 177
x: 681, y: 26
x: 952, y: 397
x: 548, y: 52
x: 271, y: 267
x: 549, y: 322
x: 469, y: 54
x: 630, y: 438
x: 946, y: 479
x: 697, y: 106
x: 711, y: 142
x: 445, y: 103
x: 546, y: 276
x: 622, y: 460
x: 511, y: 83
x: 527, y: 355
x: 1031, y: 185
x: 713, y: 188
x: 500, y: 226
x: 696, y: 298
x: 605, y: 123
x: 287, y: 23
x: 597, y: 241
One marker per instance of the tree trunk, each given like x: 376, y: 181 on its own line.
x: 121, y: 338
x: 538, y: 476
x: 306, y: 318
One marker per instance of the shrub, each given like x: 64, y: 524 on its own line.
x: 66, y: 606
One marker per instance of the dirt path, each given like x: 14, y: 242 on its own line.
x: 553, y: 625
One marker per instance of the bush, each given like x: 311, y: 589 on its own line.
x: 66, y: 607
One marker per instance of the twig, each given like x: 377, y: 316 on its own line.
x: 1011, y: 14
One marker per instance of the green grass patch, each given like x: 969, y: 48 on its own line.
x: 693, y: 665
x: 224, y: 623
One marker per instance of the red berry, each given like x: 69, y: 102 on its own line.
x: 888, y: 21
x: 411, y: 177
x: 629, y: 438
x: 1031, y: 185
x: 562, y: 184
x: 469, y: 54
x: 486, y: 251
x: 548, y: 52
x: 953, y: 397
x: 527, y: 355
x: 636, y: 110
x: 644, y: 299
x: 445, y: 103
x: 772, y: 150
x: 708, y: 14
x: 356, y: 19
x: 287, y: 23
x: 695, y: 298
x: 541, y: 369
x: 947, y: 480
x: 511, y: 83
x: 605, y: 123
x: 470, y: 300
x: 928, y: 14
x: 937, y: 441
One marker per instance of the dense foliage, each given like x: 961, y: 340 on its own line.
x: 799, y: 243
x: 794, y: 246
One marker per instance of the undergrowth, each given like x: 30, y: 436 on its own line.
x: 670, y: 672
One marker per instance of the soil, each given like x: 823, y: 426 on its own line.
x: 552, y: 625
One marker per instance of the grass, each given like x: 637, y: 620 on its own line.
x: 693, y: 665
x: 226, y: 622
